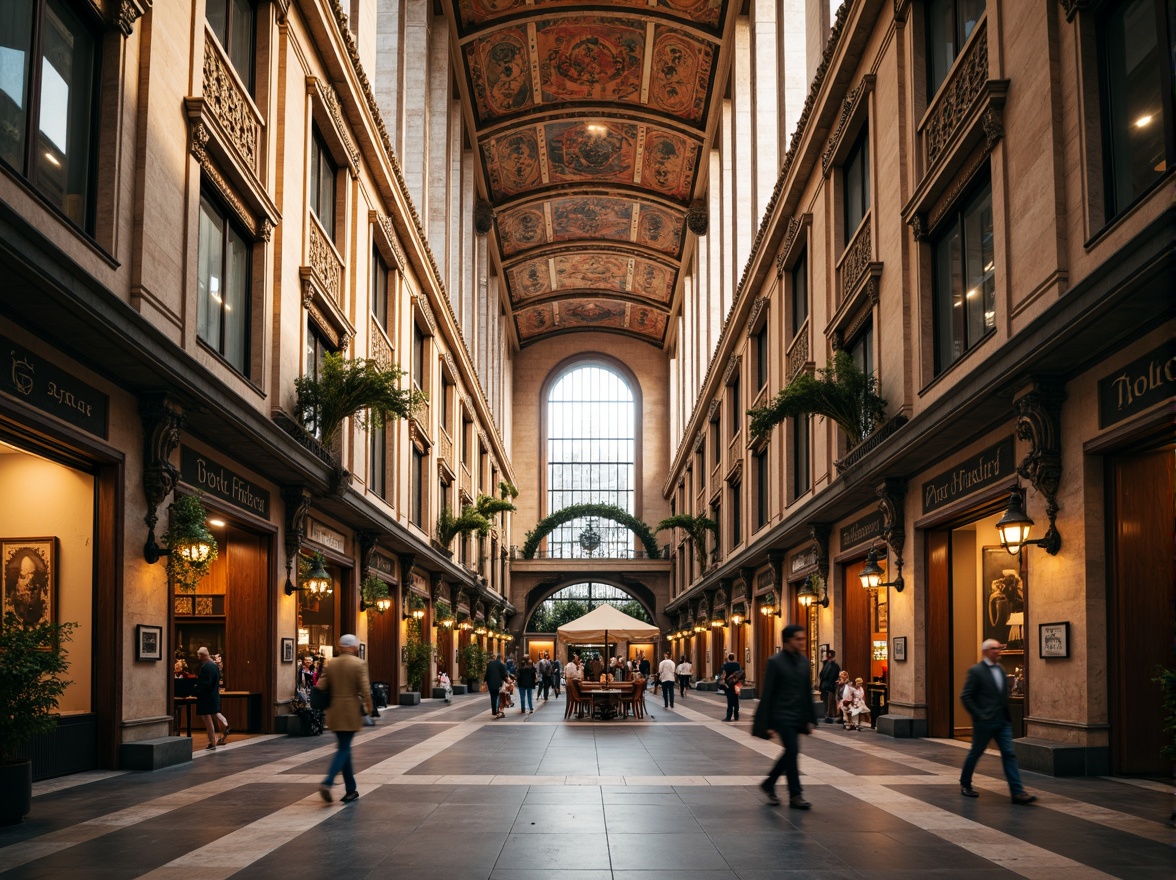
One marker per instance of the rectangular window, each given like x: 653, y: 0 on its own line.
x: 378, y: 478
x: 857, y: 184
x: 316, y: 349
x: 1136, y: 57
x: 801, y: 478
x: 736, y: 514
x: 799, y: 294
x: 949, y: 24
x: 416, y: 499
x: 222, y: 286
x: 715, y: 443
x: 736, y: 404
x: 861, y: 348
x: 761, y: 489
x: 418, y: 356
x: 322, y: 184
x: 467, y: 440
x: 379, y: 290
x: 447, y: 405
x: 234, y: 23
x: 761, y: 356
x: 964, y: 279
x: 48, y: 58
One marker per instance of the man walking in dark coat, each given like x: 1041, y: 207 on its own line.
x: 495, y: 679
x: 986, y: 697
x: 787, y: 708
x: 829, y: 673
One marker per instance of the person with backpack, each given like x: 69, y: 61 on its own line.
x: 556, y: 674
x: 544, y: 676
x: 733, y: 676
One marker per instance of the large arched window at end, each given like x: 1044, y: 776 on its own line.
x: 576, y: 600
x: 591, y: 458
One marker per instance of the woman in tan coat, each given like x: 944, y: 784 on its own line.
x: 346, y: 680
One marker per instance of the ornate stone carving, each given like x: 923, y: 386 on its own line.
x: 162, y: 420
x: 857, y: 260
x: 1073, y: 7
x: 732, y: 366
x: 780, y: 265
x: 199, y: 143
x: 956, y: 97
x: 228, y: 104
x: 385, y: 223
x: 919, y: 228
x: 325, y: 264
x: 794, y: 225
x: 1039, y: 423
x: 483, y: 216
x: 265, y: 231
x: 757, y: 308
x: 848, y: 107
x: 368, y: 540
x: 422, y: 303
x: 712, y: 410
x: 891, y: 493
x: 296, y: 499
x: 331, y: 102
x: 381, y: 351
x: 819, y: 532
x: 901, y: 8
x: 130, y: 11
x: 798, y: 354
x: 993, y: 123
x: 698, y: 217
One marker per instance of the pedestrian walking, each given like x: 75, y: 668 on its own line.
x: 830, y: 672
x: 346, y: 680
x: 733, y: 676
x: 208, y: 704
x: 544, y: 675
x: 684, y: 671
x: 556, y: 674
x: 644, y: 666
x: 786, y: 706
x: 495, y: 678
x: 665, y: 675
x: 527, y: 686
x: 986, y: 697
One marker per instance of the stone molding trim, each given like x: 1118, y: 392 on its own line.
x: 1073, y: 7
x: 422, y: 305
x: 735, y: 473
x: 328, y: 113
x: 163, y: 419
x: 962, y: 181
x: 757, y: 309
x: 732, y: 366
x: 125, y: 13
x: 853, y: 109
x: 1039, y: 412
x: 710, y: 413
x: 385, y: 239
x: 419, y: 437
x: 901, y: 9
x: 857, y: 257
x: 796, y: 237
x: 857, y: 305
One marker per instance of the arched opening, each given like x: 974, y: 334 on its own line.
x: 575, y: 600
x: 591, y: 450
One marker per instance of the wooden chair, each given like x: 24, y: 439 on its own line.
x: 576, y: 701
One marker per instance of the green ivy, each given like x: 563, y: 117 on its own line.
x: 605, y: 511
x: 696, y: 528
x: 33, y: 662
x: 418, y: 654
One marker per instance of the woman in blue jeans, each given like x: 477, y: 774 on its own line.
x: 526, y: 684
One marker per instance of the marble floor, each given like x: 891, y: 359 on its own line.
x: 449, y: 793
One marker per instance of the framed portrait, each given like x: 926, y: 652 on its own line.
x: 746, y: 656
x: 363, y: 650
x: 30, y: 578
x: 1054, y: 640
x: 148, y: 642
x: 899, y: 648
x: 1003, y: 599
x: 287, y: 650
x: 824, y: 652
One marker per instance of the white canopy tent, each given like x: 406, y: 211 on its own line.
x: 605, y: 621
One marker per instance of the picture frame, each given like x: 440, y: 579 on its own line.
x: 824, y: 652
x: 148, y: 642
x: 1053, y: 640
x: 287, y: 650
x: 900, y: 646
x: 1002, y: 610
x: 30, y: 579
x: 363, y: 650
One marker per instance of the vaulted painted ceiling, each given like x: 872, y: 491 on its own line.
x: 592, y: 123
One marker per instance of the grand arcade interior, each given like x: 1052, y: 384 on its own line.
x: 600, y: 242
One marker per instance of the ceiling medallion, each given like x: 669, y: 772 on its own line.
x: 698, y: 217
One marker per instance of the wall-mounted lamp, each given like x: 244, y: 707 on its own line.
x: 465, y: 626
x: 871, y: 574
x: 188, y: 536
x: 1014, y: 529
x: 318, y: 582
x: 480, y: 630
x: 699, y: 628
x: 719, y: 620
x: 808, y: 594
x: 737, y: 619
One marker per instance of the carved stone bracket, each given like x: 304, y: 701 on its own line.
x: 757, y: 309
x: 127, y: 12
x: 437, y: 588
x: 162, y: 420
x: 919, y: 228
x: 483, y: 217
x: 776, y: 559
x: 1039, y: 423
x: 732, y: 367
x: 368, y: 541
x: 407, y: 561
x: 296, y: 499
x: 891, y: 494
x: 819, y: 532
x: 698, y: 217
x: 849, y: 109
x: 1073, y: 7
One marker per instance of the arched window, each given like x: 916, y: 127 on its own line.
x: 591, y: 449
x: 576, y: 600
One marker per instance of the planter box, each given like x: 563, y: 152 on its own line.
x: 438, y: 693
x: 412, y: 698
x: 460, y: 689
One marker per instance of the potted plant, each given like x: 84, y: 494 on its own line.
x: 34, y: 662
x: 193, y: 548
x: 374, y: 594
x: 696, y: 528
x: 473, y: 664
x: 418, y: 655
x: 477, y: 517
x: 362, y: 388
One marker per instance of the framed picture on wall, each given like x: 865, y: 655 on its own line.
x: 30, y: 578
x: 148, y: 642
x: 1054, y: 640
x: 824, y: 652
x: 363, y: 650
x: 899, y: 648
x: 287, y: 650
x: 1003, y: 595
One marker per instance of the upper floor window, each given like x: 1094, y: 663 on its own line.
x: 378, y: 459
x: 222, y: 285
x: 857, y: 184
x: 761, y: 488
x: 1137, y: 48
x: 761, y: 356
x: 861, y: 348
x: 949, y: 24
x: 801, y: 456
x: 322, y: 184
x: 715, y: 444
x: 447, y: 404
x: 799, y: 293
x: 736, y: 404
x: 235, y: 25
x: 591, y: 458
x: 964, y: 279
x: 48, y: 58
x: 317, y: 347
x: 379, y: 290
x: 418, y: 356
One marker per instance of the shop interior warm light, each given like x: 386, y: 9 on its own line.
x: 718, y: 621
x: 480, y: 631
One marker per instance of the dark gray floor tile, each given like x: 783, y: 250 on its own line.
x: 668, y: 852
x: 583, y: 851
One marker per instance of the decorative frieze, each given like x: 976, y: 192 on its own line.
x: 330, y: 101
x: 798, y: 356
x: 325, y: 264
x: 229, y: 105
x: 422, y: 304
x: 857, y: 260
x: 756, y: 308
x: 848, y: 110
x: 381, y: 350
x: 957, y: 96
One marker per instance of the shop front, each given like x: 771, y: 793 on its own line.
x: 864, y: 650
x: 801, y: 575
x: 327, y: 606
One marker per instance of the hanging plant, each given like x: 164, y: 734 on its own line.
x: 696, y: 528
x: 362, y: 388
x: 840, y: 391
x: 193, y: 548
x: 478, y: 517
x: 442, y: 612
x: 372, y: 590
x: 507, y: 490
x: 604, y: 511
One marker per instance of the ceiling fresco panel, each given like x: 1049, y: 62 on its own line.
x: 590, y: 313
x: 652, y: 280
x: 520, y: 229
x: 680, y: 75
x: 477, y: 13
x: 512, y: 163
x: 660, y: 230
x: 669, y: 163
x: 530, y: 279
x: 594, y: 271
x: 500, y: 73
x: 592, y: 217
x: 602, y: 151
x: 590, y: 59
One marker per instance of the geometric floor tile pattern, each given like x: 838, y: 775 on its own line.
x: 447, y: 792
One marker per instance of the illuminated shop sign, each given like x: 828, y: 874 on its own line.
x: 1138, y: 385
x: 860, y: 531
x: 987, y: 467
x: 212, y: 477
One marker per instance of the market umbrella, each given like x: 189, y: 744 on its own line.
x: 605, y: 620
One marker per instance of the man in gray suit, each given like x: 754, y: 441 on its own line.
x: 986, y: 697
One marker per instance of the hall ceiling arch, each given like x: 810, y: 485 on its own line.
x: 593, y: 122
x: 545, y: 589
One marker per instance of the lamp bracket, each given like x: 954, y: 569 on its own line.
x: 296, y: 499
x: 891, y: 494
x: 162, y: 420
x: 820, y: 532
x: 1039, y: 423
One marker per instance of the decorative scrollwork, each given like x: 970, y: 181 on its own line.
x: 228, y: 104
x: 296, y: 499
x: 162, y: 420
x: 848, y: 108
x: 798, y: 354
x: 857, y: 260
x: 956, y: 97
x: 891, y: 494
x: 1039, y: 423
x: 819, y: 532
x: 368, y: 541
x: 325, y: 264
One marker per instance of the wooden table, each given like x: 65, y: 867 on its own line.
x: 252, y: 710
x: 604, y: 702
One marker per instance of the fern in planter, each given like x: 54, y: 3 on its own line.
x: 187, y: 529
x: 840, y: 392
x: 696, y: 528
x: 34, y: 662
x: 507, y: 490
x: 478, y: 517
x: 473, y: 661
x: 361, y: 388
x: 418, y: 655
